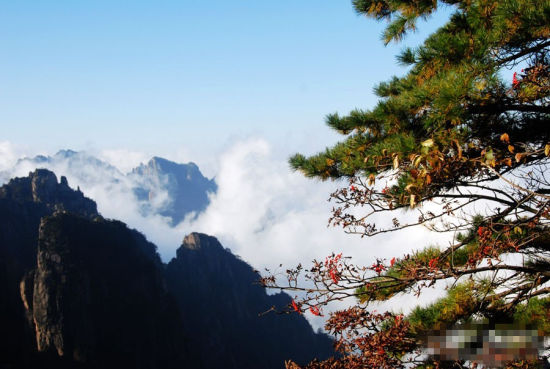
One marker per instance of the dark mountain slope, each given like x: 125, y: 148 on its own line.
x: 221, y: 293
x: 99, y: 297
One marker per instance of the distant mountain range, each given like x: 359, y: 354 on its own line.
x: 80, y: 291
x: 160, y: 186
x: 188, y: 189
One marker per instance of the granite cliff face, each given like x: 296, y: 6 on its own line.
x: 23, y: 202
x: 80, y: 291
x: 221, y: 293
x: 99, y: 297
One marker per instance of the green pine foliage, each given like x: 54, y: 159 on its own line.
x: 468, y: 124
x: 459, y: 304
x: 535, y: 314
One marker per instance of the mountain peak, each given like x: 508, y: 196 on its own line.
x: 198, y: 241
x: 44, y: 185
x: 188, y: 189
x: 220, y: 294
x: 168, y: 165
x: 43, y: 177
x: 41, y: 186
x: 160, y: 186
x: 66, y: 153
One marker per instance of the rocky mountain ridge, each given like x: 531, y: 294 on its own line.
x: 83, y: 291
x: 160, y: 186
x: 185, y: 185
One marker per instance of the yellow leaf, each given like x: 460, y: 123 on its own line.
x: 480, y: 85
x: 489, y: 155
x: 458, y: 149
x: 330, y: 162
x: 416, y: 161
x: 547, y: 150
x: 511, y: 148
x: 428, y: 143
x: 372, y: 179
x: 412, y: 202
x: 518, y: 230
x: 505, y: 138
x: 518, y: 157
x: 395, y: 162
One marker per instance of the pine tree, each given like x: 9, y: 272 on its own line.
x: 467, y: 125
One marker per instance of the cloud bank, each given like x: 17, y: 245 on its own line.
x: 262, y: 211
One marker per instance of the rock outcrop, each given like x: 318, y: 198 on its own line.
x: 23, y: 203
x: 41, y: 188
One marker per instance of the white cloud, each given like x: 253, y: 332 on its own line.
x: 270, y: 215
x: 124, y: 160
x: 263, y: 211
x: 9, y: 154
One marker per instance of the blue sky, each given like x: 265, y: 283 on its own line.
x: 236, y: 86
x: 158, y: 76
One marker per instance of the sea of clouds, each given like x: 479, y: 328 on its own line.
x: 263, y: 211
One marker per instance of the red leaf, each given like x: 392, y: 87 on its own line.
x: 315, y: 311
x: 295, y: 307
x: 515, y: 81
